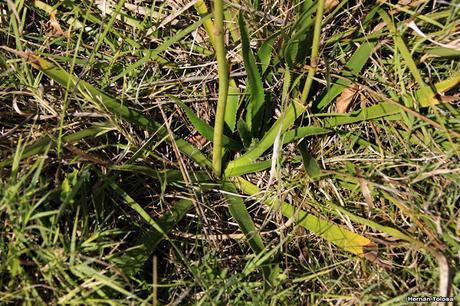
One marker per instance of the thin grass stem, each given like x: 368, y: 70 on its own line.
x: 314, y: 52
x: 223, y: 86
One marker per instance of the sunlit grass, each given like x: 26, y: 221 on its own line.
x: 124, y: 180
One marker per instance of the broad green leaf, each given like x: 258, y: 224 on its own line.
x: 245, y: 133
x: 441, y: 87
x: 376, y: 111
x: 381, y: 228
x: 352, y: 68
x: 297, y: 43
x: 293, y: 111
x: 311, y: 166
x: 240, y: 213
x: 265, y: 52
x: 107, y: 103
x: 231, y: 109
x: 254, y: 85
x: 443, y: 52
x: 303, y: 131
x: 205, y: 129
x: 249, y: 168
x: 338, y: 235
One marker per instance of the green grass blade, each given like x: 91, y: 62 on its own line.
x: 154, y: 54
x: 240, y: 213
x: 89, y: 272
x: 294, y: 110
x: 352, y: 68
x: 90, y: 17
x: 265, y: 52
x: 245, y: 133
x: 310, y: 164
x: 441, y: 87
x: 134, y: 205
x: 254, y: 85
x: 426, y: 93
x: 160, y: 230
x: 108, y: 103
x: 231, y: 110
x: 168, y: 175
x: 443, y: 52
x: 237, y: 207
x: 16, y: 159
x: 381, y: 228
x: 377, y: 111
x: 41, y: 145
x: 449, y: 83
x: 303, y: 131
x: 124, y: 17
x: 249, y: 168
x: 132, y: 260
x: 338, y: 235
x: 205, y: 129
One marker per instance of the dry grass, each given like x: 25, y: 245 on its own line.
x: 67, y: 233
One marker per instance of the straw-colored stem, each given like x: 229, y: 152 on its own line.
x: 201, y: 8
x: 314, y: 52
x: 223, y: 86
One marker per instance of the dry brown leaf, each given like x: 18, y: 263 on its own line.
x: 371, y: 253
x: 330, y: 4
x: 56, y: 29
x: 411, y: 3
x: 197, y: 140
x: 344, y: 100
x: 378, y: 27
x: 365, y: 191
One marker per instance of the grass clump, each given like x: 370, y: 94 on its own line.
x: 333, y: 128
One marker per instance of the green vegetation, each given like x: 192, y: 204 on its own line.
x: 251, y: 152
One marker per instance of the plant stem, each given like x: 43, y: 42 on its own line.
x: 201, y: 8
x: 222, y: 69
x: 314, y: 52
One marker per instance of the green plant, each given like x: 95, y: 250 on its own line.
x: 247, y: 140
